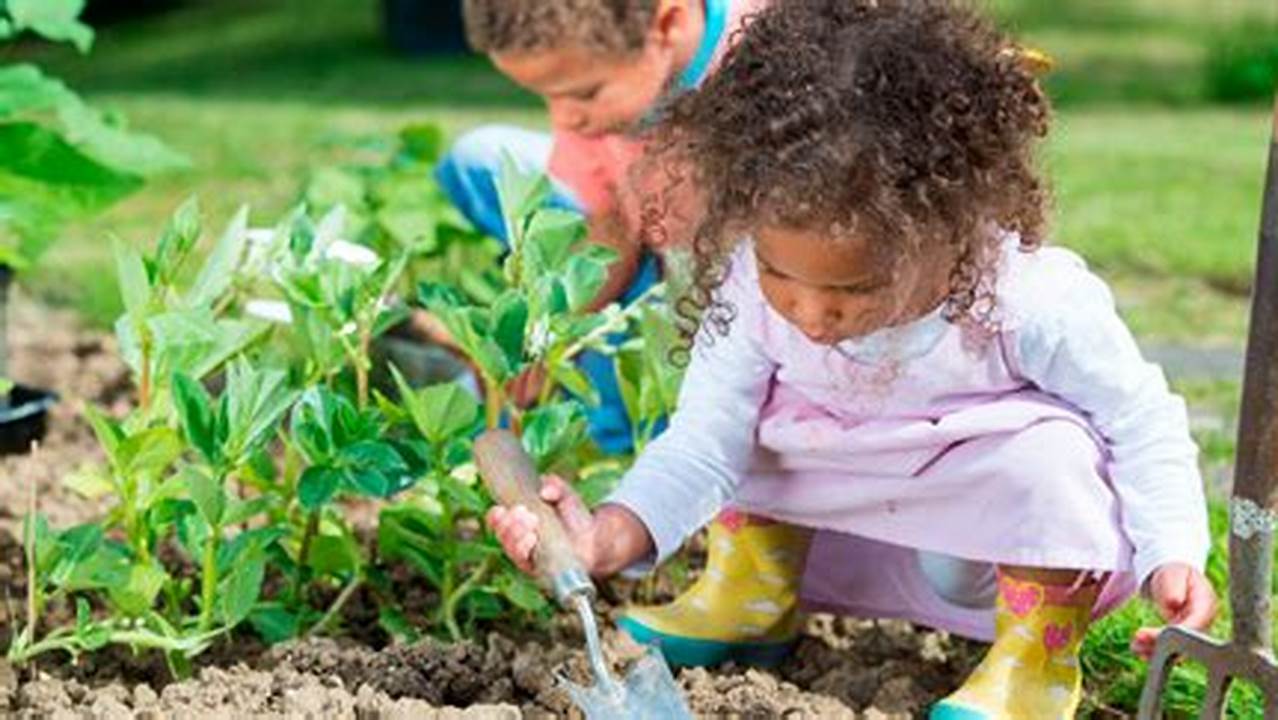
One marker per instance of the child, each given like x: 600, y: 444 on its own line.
x: 887, y: 356
x: 602, y: 66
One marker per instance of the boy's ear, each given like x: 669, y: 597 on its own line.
x: 672, y: 21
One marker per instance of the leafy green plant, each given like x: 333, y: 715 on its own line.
x: 59, y: 158
x: 395, y: 206
x: 230, y: 479
x: 171, y: 323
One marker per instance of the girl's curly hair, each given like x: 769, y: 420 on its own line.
x: 612, y: 26
x: 914, y: 122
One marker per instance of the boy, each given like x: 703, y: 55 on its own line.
x: 603, y: 67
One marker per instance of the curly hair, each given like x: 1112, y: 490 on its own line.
x: 911, y: 122
x: 613, y: 26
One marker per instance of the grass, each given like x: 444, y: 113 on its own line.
x: 1134, y: 51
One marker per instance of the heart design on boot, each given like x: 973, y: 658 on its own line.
x: 1021, y: 598
x: 1056, y: 637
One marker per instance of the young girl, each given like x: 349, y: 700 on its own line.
x: 887, y: 356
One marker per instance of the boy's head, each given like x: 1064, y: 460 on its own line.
x: 601, y: 65
x: 898, y: 135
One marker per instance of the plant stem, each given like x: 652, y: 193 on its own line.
x: 616, y: 323
x: 362, y: 366
x: 455, y: 597
x: 30, y: 629
x: 312, y: 527
x: 494, y: 399
x: 144, y: 383
x: 336, y: 608
x: 208, y: 581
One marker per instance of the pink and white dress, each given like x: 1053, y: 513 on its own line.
x: 1051, y: 443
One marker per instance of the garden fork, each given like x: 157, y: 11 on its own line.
x: 1253, y: 510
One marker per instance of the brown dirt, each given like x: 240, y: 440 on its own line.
x: 842, y: 668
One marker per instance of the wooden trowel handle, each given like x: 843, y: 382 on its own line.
x: 512, y: 479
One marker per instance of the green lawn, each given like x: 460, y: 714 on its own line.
x: 1164, y: 199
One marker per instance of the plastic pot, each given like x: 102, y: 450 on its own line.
x: 24, y: 419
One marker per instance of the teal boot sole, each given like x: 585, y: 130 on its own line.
x: 692, y: 652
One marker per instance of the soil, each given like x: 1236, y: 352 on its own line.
x: 841, y: 668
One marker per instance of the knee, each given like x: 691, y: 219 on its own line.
x: 964, y: 583
x: 1047, y: 462
x: 479, y: 149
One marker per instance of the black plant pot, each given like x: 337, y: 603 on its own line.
x: 99, y: 13
x: 425, y: 27
x: 24, y: 419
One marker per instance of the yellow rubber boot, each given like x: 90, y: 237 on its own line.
x: 1032, y: 670
x: 744, y: 608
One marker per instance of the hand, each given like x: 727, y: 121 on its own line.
x: 605, y: 542
x: 525, y: 389
x: 1184, y: 597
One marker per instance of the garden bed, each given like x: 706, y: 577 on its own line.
x: 842, y: 668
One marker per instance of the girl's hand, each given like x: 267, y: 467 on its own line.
x: 605, y: 542
x: 1184, y: 597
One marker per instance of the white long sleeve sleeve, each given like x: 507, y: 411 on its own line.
x: 1075, y: 346
x: 685, y: 476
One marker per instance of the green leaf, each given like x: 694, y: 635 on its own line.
x: 195, y: 412
x: 334, y: 555
x: 75, y: 547
x: 275, y: 623
x: 52, y: 19
x: 24, y: 88
x: 208, y: 494
x: 89, y: 482
x: 91, y: 636
x: 397, y: 625
x: 137, y: 596
x: 551, y: 431
x: 149, y: 452
x: 520, y: 194
x: 177, y: 240
x: 463, y: 496
x: 317, y: 486
x: 576, y: 382
x: 103, y: 139
x: 239, y: 590
x: 511, y: 321
x: 423, y: 142
x: 585, y: 275
x: 522, y: 592
x: 255, y: 401
x: 220, y: 268
x: 107, y: 430
x: 238, y: 511
x: 552, y: 236
x: 440, y: 411
x: 135, y: 287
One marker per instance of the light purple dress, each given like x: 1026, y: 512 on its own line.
x: 1045, y: 442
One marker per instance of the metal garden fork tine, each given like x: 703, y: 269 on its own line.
x: 1253, y: 510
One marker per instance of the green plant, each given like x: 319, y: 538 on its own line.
x: 230, y: 478
x: 396, y: 207
x: 59, y: 158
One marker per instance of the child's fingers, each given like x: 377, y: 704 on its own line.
x: 1143, y: 642
x: 572, y: 511
x: 1199, y: 609
x: 1169, y: 589
x: 516, y: 530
